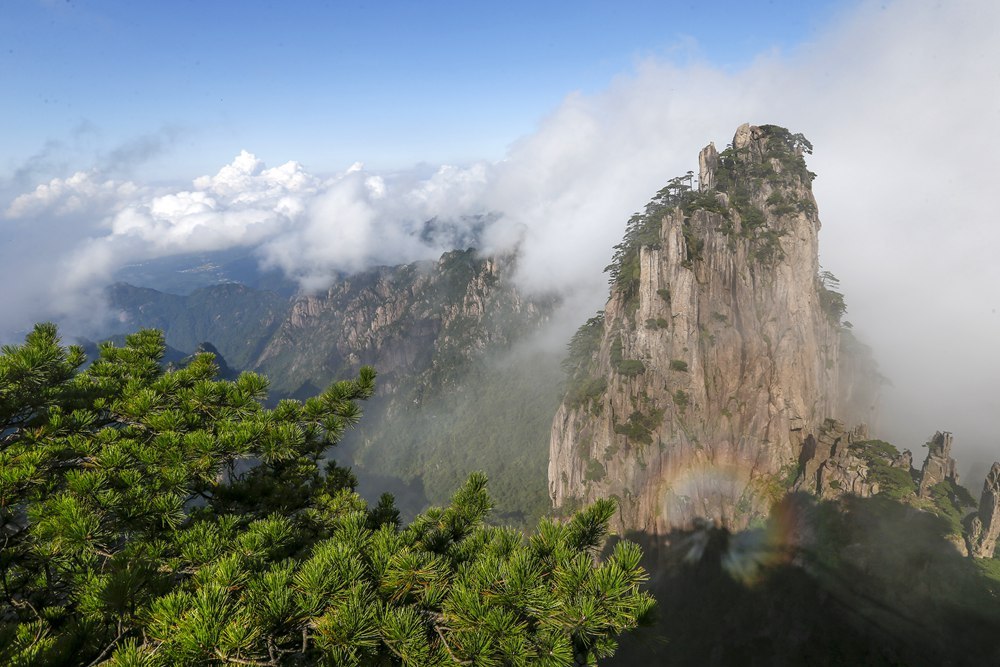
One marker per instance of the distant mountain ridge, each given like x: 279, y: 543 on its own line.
x: 404, y: 320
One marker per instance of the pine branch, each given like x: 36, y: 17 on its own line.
x: 107, y: 649
x: 448, y: 648
x: 241, y: 661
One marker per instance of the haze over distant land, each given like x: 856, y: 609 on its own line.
x: 901, y: 101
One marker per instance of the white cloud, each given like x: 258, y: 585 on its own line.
x: 84, y: 190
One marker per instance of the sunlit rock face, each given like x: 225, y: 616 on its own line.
x: 719, y: 353
x: 985, y: 528
x: 938, y: 466
x: 406, y: 321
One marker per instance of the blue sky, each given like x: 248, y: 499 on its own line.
x: 329, y: 83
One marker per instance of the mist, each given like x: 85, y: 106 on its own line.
x: 901, y: 101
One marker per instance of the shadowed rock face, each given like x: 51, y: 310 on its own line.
x: 719, y: 359
x: 985, y: 528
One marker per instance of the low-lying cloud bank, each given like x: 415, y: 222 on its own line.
x: 901, y: 102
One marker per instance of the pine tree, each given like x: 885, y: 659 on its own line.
x: 164, y: 517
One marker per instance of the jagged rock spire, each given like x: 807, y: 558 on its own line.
x: 938, y: 466
x: 716, y: 355
x: 985, y: 528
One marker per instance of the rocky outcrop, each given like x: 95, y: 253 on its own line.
x: 718, y: 354
x: 837, y: 461
x: 984, y: 530
x: 938, y: 466
x: 413, y: 320
x: 829, y: 468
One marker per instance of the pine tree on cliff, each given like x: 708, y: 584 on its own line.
x: 154, y: 517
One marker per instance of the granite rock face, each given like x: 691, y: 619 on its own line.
x: 718, y: 354
x: 830, y: 467
x: 938, y: 466
x: 985, y: 527
x: 406, y: 321
x: 837, y: 462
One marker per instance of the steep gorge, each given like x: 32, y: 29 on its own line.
x: 718, y: 353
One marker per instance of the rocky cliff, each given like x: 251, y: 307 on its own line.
x: 938, y: 466
x: 984, y: 530
x: 718, y: 353
x: 419, y: 319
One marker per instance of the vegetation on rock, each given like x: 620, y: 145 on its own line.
x: 639, y: 427
x: 893, y: 481
x: 581, y: 386
x: 830, y: 300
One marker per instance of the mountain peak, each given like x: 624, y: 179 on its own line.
x: 719, y: 349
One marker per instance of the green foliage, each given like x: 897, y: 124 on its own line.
x: 626, y: 367
x: 781, y: 483
x: 694, y: 244
x: 158, y: 517
x: 783, y: 142
x: 830, y: 300
x: 767, y: 249
x: 702, y: 201
x: 585, y: 392
x: 639, y: 427
x: 883, y: 546
x: 664, y: 294
x: 631, y: 367
x: 753, y: 218
x: 581, y: 385
x: 681, y: 400
x: 896, y: 483
x: 678, y: 365
x: 951, y: 502
x: 857, y: 581
x: 739, y: 174
x: 643, y: 229
x: 584, y: 345
x: 990, y: 567
x: 235, y: 318
x: 595, y: 471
